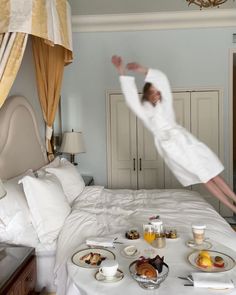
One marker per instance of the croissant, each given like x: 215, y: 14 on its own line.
x: 147, y: 270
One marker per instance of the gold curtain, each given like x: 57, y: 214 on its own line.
x: 49, y: 64
x: 12, y: 48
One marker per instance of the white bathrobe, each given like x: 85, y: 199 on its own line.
x: 190, y: 160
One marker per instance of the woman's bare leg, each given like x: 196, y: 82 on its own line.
x: 215, y: 191
x: 224, y: 187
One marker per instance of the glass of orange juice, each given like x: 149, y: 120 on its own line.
x: 148, y: 233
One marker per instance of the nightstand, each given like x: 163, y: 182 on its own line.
x: 17, y: 270
x: 88, y: 180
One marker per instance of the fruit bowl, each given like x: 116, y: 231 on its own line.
x: 147, y: 283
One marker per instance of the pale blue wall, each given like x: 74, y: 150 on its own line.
x: 191, y: 58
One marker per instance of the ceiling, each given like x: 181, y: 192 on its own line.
x: 96, y: 7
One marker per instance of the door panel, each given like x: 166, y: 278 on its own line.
x: 205, y: 126
x: 150, y: 164
x: 123, y: 145
x: 181, y: 104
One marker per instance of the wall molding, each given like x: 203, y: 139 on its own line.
x: 154, y: 21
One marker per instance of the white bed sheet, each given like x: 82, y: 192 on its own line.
x: 99, y: 211
x: 45, y: 270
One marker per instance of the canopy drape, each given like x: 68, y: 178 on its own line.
x: 49, y: 22
x: 49, y: 65
x: 12, y: 48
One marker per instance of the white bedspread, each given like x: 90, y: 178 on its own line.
x: 98, y: 211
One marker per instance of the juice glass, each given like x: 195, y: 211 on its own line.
x: 148, y: 233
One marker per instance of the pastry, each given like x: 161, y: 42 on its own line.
x: 93, y: 258
x: 157, y: 262
x: 146, y: 270
x: 204, y: 261
x: 132, y: 234
x: 86, y: 258
x: 204, y: 253
x: 219, y: 261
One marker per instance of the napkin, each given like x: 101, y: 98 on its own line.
x: 100, y: 241
x: 212, y: 280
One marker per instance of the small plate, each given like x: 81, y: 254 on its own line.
x: 76, y: 258
x: 117, y: 277
x: 204, y: 246
x: 135, y: 255
x: 229, y: 262
x: 173, y: 239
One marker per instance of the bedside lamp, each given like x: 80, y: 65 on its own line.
x: 72, y: 143
x: 2, y: 190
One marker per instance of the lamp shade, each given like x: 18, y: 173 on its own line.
x: 2, y: 190
x: 72, y: 143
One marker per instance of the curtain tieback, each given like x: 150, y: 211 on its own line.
x: 48, y: 136
x: 49, y: 132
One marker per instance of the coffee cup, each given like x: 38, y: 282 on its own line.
x: 108, y: 268
x: 198, y: 233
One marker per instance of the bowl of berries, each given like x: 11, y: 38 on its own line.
x: 149, y: 273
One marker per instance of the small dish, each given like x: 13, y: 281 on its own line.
x: 229, y: 262
x: 116, y: 278
x: 171, y: 233
x: 130, y: 252
x: 204, y: 246
x: 132, y: 234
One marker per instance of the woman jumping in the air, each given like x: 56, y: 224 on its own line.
x: 190, y: 160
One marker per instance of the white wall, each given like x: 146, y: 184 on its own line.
x: 191, y: 59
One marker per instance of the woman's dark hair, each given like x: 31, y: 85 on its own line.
x: 146, y: 88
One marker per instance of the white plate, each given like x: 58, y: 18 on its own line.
x: 76, y: 258
x: 204, y: 246
x: 124, y: 254
x: 229, y: 262
x: 117, y: 277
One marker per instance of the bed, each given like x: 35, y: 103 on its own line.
x: 57, y: 223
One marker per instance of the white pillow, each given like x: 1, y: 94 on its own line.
x: 70, y: 179
x: 48, y: 205
x: 41, y: 172
x: 14, y: 203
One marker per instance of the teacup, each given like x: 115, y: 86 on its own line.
x: 198, y: 233
x: 108, y: 268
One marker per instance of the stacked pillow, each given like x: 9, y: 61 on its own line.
x: 70, y: 179
x: 15, y: 217
x: 45, y: 201
x: 48, y: 205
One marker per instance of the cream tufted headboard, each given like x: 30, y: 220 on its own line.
x: 21, y: 147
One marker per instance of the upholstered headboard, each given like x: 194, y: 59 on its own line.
x: 21, y: 147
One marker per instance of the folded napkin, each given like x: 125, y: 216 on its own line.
x: 100, y: 241
x: 212, y: 280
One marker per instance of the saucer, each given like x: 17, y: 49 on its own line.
x: 204, y: 246
x: 116, y: 278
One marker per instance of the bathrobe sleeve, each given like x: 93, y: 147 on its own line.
x: 160, y: 82
x: 132, y: 99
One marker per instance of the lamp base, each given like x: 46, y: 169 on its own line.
x: 72, y: 159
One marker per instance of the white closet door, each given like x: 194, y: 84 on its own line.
x: 150, y: 164
x: 181, y: 104
x: 205, y: 126
x: 205, y: 117
x: 123, y: 144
